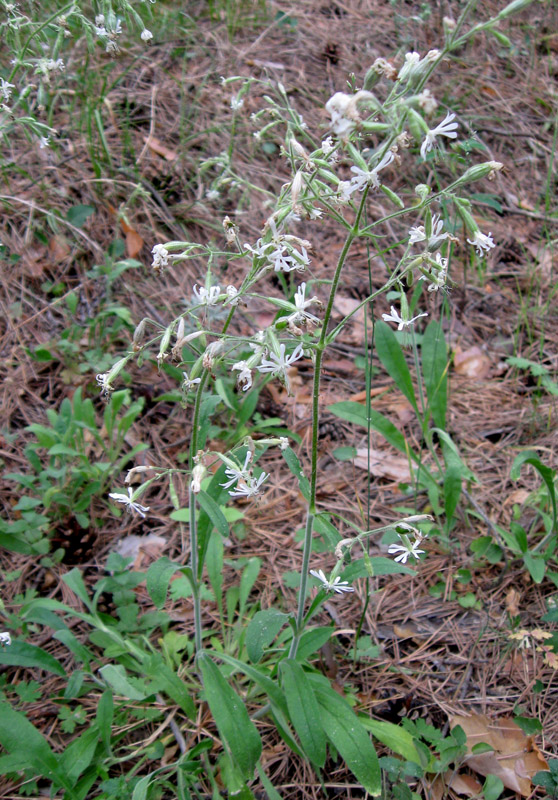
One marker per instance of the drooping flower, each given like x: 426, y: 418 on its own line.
x: 439, y: 276
x: 103, y: 380
x: 234, y: 474
x: 301, y: 315
x: 6, y: 89
x: 482, y: 243
x: 160, y: 256
x: 5, y: 639
x: 129, y: 502
x: 249, y: 487
x: 446, y: 128
x: 406, y: 550
x: 370, y: 177
x: 280, y: 362
x: 418, y: 233
x: 146, y: 35
x: 336, y: 585
x: 207, y: 297
x: 401, y: 323
x: 189, y: 383
x: 244, y: 376
x: 343, y: 109
x: 236, y: 102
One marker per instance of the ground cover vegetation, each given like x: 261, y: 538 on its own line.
x: 279, y: 376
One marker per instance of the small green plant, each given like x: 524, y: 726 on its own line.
x: 80, y: 465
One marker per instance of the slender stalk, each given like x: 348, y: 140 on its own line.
x: 194, y: 566
x: 320, y: 348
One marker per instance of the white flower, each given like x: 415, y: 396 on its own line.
x: 100, y: 19
x: 5, y: 639
x: 129, y: 502
x: 103, y: 379
x: 6, y: 89
x: 441, y: 274
x: 344, y: 112
x: 405, y: 551
x: 44, y: 141
x: 249, y: 487
x: 280, y: 363
x: 160, y: 256
x: 283, y: 443
x: 301, y: 304
x: 427, y: 102
x: 235, y: 474
x: 100, y: 30
x: 446, y: 128
x: 212, y: 194
x: 370, y: 177
x: 207, y: 296
x: 188, y: 383
x: 482, y: 242
x: 411, y: 61
x: 327, y: 146
x: 401, y: 323
x: 236, y: 102
x: 245, y: 375
x: 337, y: 585
x: 418, y: 233
x: 146, y: 35
x: 232, y: 295
x: 197, y: 476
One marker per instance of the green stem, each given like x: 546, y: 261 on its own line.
x: 194, y: 567
x: 320, y: 348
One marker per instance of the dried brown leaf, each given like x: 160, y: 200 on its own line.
x: 471, y: 363
x: 383, y: 464
x: 158, y: 147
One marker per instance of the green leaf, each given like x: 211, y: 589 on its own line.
x: 77, y: 215
x: 21, y: 654
x: 392, y: 357
x: 79, y: 754
x: 393, y: 736
x: 491, y: 200
x: 105, y: 714
x: 536, y: 566
x: 141, y: 787
x: 271, y: 792
x: 311, y: 641
x: 295, y: 467
x: 237, y: 731
x: 545, y: 472
x: 115, y: 676
x: 170, y: 683
x: 214, y: 512
x: 304, y: 711
x: 493, y: 787
x: 18, y: 736
x: 158, y: 579
x: 266, y: 684
x: 381, y: 565
x: 452, y: 490
x: 262, y: 630
x: 350, y: 739
x: 435, y: 371
x: 249, y: 576
x: 74, y: 580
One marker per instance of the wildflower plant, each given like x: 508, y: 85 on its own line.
x: 372, y: 135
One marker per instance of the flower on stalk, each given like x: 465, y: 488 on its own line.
x: 336, y: 585
x: 427, y: 102
x: 6, y: 89
x: 370, y: 177
x: 206, y: 297
x: 249, y: 486
x: 440, y: 275
x: 406, y: 550
x: 244, y: 376
x: 280, y: 362
x: 482, y: 243
x: 129, y: 502
x: 281, y: 250
x: 234, y: 474
x: 446, y: 128
x: 146, y: 35
x: 103, y: 380
x: 160, y: 257
x: 301, y: 315
x: 343, y: 110
x: 401, y: 323
x: 198, y: 474
x: 44, y: 141
x: 232, y: 295
x: 189, y: 383
x: 5, y: 639
x: 418, y: 233
x: 236, y: 102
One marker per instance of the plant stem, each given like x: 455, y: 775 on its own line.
x: 194, y: 567
x: 320, y: 348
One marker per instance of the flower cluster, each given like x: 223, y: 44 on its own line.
x: 283, y: 252
x: 407, y: 548
x: 246, y: 484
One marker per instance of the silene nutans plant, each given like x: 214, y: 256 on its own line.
x: 257, y: 669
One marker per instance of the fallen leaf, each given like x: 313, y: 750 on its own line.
x: 58, y: 248
x: 462, y: 784
x: 134, y: 241
x: 158, y: 147
x: 471, y: 363
x: 143, y: 549
x: 383, y: 464
x: 512, y: 759
x: 519, y: 496
x: 512, y: 602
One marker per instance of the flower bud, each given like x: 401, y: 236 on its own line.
x: 485, y: 170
